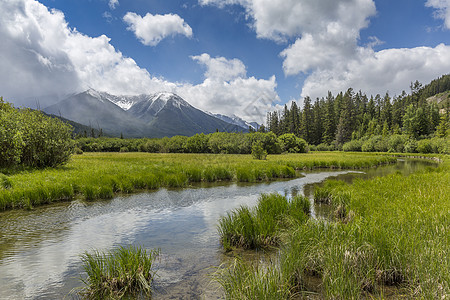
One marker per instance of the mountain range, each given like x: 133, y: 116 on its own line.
x: 156, y: 115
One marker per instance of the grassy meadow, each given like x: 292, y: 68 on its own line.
x: 388, y: 238
x: 102, y: 175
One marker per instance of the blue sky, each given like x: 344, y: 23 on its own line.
x: 239, y: 57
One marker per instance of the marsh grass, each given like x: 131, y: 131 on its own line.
x: 126, y: 271
x: 92, y: 176
x: 389, y: 231
x: 259, y: 227
x: 243, y: 280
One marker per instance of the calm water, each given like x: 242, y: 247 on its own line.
x: 40, y: 249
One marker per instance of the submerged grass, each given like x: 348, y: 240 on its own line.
x: 390, y: 231
x: 94, y: 175
x: 126, y: 271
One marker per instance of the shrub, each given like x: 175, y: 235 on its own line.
x: 353, y: 146
x: 32, y: 139
x: 396, y: 143
x: 411, y: 146
x: 258, y: 151
x: 424, y: 146
x: 290, y: 143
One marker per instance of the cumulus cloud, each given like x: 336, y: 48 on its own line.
x: 41, y: 55
x: 278, y: 19
x: 151, y: 29
x: 377, y: 72
x: 227, y: 90
x: 443, y: 10
x: 221, y: 68
x: 326, y: 47
x: 113, y: 3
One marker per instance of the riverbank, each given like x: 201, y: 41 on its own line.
x: 387, y: 238
x: 94, y: 176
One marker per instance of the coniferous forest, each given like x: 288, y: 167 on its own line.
x: 350, y: 116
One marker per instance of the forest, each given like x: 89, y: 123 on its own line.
x: 332, y: 121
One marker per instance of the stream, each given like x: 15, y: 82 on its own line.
x: 40, y: 249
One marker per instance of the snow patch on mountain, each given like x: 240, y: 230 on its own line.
x: 235, y: 120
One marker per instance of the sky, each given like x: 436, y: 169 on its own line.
x: 242, y: 57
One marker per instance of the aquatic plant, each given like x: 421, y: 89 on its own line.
x: 243, y: 280
x: 126, y: 271
x: 259, y: 227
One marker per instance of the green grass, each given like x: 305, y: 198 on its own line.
x: 259, y: 227
x: 390, y: 231
x: 93, y: 176
x: 246, y: 281
x: 126, y: 271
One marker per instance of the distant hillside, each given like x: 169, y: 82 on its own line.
x: 436, y: 87
x: 80, y: 129
x: 441, y: 99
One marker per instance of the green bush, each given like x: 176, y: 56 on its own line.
x: 292, y: 144
x: 424, y: 146
x: 258, y: 151
x: 411, y: 146
x: 396, y: 143
x: 353, y: 146
x: 30, y: 138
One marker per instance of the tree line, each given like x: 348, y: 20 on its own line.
x: 335, y: 120
x: 217, y: 143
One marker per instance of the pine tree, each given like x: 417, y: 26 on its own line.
x: 306, y: 121
x: 329, y: 127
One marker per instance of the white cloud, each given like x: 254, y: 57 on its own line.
x: 41, y: 55
x: 326, y: 48
x: 377, y: 72
x: 221, y: 68
x: 227, y: 89
x: 443, y: 10
x: 113, y: 3
x: 151, y: 29
x: 278, y: 19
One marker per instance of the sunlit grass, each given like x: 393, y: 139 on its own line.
x: 389, y: 231
x: 93, y: 176
x: 259, y: 227
x: 126, y: 271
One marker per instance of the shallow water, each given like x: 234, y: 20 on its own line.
x: 40, y: 249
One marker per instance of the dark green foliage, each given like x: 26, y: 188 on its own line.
x: 292, y: 144
x: 352, y: 116
x: 32, y: 139
x: 354, y: 145
x: 219, y: 142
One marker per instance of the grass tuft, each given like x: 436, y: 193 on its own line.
x: 126, y: 271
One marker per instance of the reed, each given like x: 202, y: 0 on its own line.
x: 126, y: 271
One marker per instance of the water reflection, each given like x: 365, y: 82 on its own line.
x: 40, y: 250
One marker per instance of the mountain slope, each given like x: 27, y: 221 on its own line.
x: 168, y: 114
x: 89, y: 108
x: 237, y: 121
x: 158, y: 115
